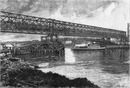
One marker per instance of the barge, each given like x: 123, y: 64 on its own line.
x: 84, y: 47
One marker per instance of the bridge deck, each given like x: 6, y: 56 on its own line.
x: 18, y: 23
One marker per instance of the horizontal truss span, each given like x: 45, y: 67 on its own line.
x: 18, y: 23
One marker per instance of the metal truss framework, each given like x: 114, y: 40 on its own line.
x: 18, y: 23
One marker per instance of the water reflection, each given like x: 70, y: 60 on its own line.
x: 113, y: 61
x: 109, y: 60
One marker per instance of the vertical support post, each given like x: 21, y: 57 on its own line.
x: 51, y: 28
x: 128, y: 32
x: 128, y: 29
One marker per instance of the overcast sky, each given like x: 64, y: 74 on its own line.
x: 113, y: 14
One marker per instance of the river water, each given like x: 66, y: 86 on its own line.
x: 107, y: 68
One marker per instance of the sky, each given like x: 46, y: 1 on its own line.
x: 113, y: 14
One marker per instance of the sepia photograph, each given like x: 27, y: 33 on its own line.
x: 64, y: 43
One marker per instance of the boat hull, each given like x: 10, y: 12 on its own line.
x: 86, y: 49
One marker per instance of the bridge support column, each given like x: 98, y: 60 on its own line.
x: 128, y: 33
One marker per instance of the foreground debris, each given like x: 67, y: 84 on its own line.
x: 17, y: 73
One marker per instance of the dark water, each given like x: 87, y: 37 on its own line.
x: 107, y: 68
x: 112, y: 60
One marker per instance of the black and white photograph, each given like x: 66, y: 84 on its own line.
x: 64, y: 43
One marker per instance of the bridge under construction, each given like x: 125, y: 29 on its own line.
x: 19, y: 23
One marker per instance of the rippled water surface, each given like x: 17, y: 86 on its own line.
x: 107, y: 68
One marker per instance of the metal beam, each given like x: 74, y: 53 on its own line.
x: 18, y: 23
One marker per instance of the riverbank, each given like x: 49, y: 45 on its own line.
x: 17, y: 73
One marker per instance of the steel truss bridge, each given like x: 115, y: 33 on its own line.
x: 18, y: 23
